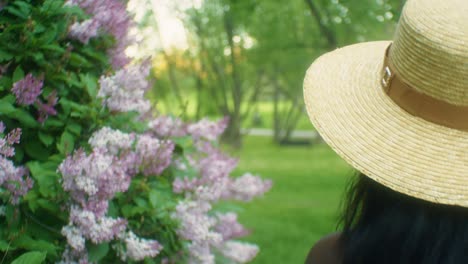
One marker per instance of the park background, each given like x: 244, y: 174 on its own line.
x: 102, y: 163
x: 247, y: 60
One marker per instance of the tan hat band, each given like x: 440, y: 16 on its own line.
x: 421, y: 105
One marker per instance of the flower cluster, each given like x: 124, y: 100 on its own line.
x: 208, y: 129
x: 209, y: 234
x: 167, y: 126
x: 196, y: 226
x: 94, y: 179
x: 124, y: 91
x: 109, y: 15
x: 155, y: 155
x: 14, y: 179
x: 27, y: 91
x: 139, y: 248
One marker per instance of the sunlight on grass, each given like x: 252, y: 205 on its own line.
x: 303, y: 203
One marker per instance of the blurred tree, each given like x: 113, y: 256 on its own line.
x: 240, y: 51
x: 230, y: 81
x: 289, y: 36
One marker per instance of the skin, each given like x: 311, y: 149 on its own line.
x: 325, y: 251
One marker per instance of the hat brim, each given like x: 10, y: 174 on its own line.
x: 348, y: 107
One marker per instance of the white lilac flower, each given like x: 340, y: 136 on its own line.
x: 74, y: 237
x: 125, y: 91
x: 71, y: 256
x: 208, y: 129
x: 239, y: 252
x: 112, y: 140
x: 96, y: 229
x: 138, y: 248
x: 94, y: 178
x: 246, y: 187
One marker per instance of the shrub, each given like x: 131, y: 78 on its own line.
x: 89, y: 174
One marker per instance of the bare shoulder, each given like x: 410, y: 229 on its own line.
x: 326, y: 251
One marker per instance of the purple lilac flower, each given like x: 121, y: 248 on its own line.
x: 4, y: 67
x: 112, y: 17
x: 216, y: 166
x: 240, y: 252
x: 229, y: 227
x: 48, y: 108
x: 125, y: 91
x: 155, y: 154
x: 71, y: 256
x: 167, y: 126
x: 27, y: 89
x: 14, y: 179
x: 185, y: 184
x: 208, y: 129
x: 138, y: 248
x: 84, y: 31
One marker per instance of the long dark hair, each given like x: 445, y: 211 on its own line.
x: 383, y: 226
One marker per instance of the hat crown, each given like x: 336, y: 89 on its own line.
x: 430, y: 48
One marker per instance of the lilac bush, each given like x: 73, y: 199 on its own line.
x: 89, y: 173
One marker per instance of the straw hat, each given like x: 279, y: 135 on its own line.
x: 398, y: 111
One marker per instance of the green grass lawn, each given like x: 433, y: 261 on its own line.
x: 303, y: 203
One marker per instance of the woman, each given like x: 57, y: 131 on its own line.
x: 398, y: 113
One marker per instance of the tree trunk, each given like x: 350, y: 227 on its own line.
x: 332, y: 43
x: 233, y: 131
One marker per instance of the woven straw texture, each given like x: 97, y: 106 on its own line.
x: 347, y: 105
x: 432, y: 37
x: 350, y: 109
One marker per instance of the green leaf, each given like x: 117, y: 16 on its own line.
x: 74, y: 128
x: 5, y: 56
x: 47, y: 139
x: 18, y: 74
x: 53, y: 122
x: 46, y: 179
x: 4, y: 246
x: 97, y: 252
x: 5, y: 83
x: 29, y: 243
x: 34, y: 257
x: 90, y: 83
x: 19, y: 12
x: 36, y: 150
x: 46, y: 204
x: 54, y: 47
x: 6, y: 107
x: 66, y: 143
x: 79, y: 61
x: 24, y: 117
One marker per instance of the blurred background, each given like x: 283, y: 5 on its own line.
x: 246, y: 59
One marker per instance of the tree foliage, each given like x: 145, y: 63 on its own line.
x: 245, y: 51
